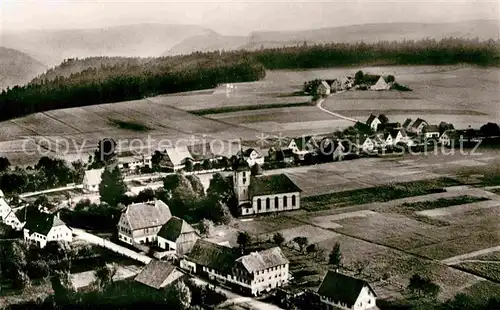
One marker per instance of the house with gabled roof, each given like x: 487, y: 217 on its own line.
x: 333, y: 147
x: 418, y: 126
x: 323, y: 89
x: 373, y: 121
x: 42, y: 227
x: 175, y: 158
x: 177, y: 235
x: 447, y: 137
x: 381, y: 84
x: 431, y: 131
x: 339, y: 291
x: 364, y: 144
x: 141, y: 222
x: 251, y: 274
x: 131, y: 160
x: 92, y: 179
x: 252, y: 156
x: 406, y: 124
x: 5, y: 209
x: 158, y: 274
x: 16, y: 218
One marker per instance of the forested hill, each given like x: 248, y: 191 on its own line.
x: 111, y: 79
x: 17, y: 68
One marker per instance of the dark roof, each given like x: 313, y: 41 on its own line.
x: 41, y: 223
x: 407, y: 122
x: 213, y: 256
x: 418, y: 122
x: 431, y: 128
x: 394, y: 132
x: 272, y: 184
x: 241, y: 164
x: 249, y: 151
x: 371, y: 118
x: 21, y: 214
x: 155, y: 273
x: 174, y: 228
x: 303, y: 142
x: 341, y: 288
x: 288, y: 153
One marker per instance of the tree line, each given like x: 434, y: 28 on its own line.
x: 99, y: 80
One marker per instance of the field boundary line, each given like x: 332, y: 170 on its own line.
x: 459, y: 258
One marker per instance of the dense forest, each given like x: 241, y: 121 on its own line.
x: 110, y: 79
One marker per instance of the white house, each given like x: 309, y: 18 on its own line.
x: 365, y: 144
x: 323, y: 89
x: 336, y: 86
x: 141, y: 222
x: 373, y: 121
x: 339, y: 291
x: 252, y: 274
x: 177, y: 235
x: 252, y: 157
x: 5, y: 209
x: 431, y: 131
x: 301, y: 146
x: 132, y: 160
x: 447, y: 137
x: 333, y: 147
x: 92, y: 179
x: 16, y: 218
x: 263, y: 194
x: 381, y: 84
x: 41, y: 228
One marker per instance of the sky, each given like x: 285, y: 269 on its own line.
x: 235, y: 17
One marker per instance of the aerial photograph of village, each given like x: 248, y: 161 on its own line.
x: 250, y: 155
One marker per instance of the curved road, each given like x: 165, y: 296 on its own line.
x: 319, y: 105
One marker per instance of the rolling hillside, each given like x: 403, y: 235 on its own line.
x: 17, y: 68
x: 368, y: 33
x: 142, y: 40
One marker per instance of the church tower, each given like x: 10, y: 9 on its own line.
x: 241, y: 180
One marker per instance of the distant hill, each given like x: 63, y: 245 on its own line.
x: 142, y: 40
x: 207, y: 43
x: 17, y: 68
x: 369, y: 33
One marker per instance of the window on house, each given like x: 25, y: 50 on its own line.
x: 244, y: 175
x: 285, y: 201
x: 293, y: 201
x: 244, y: 180
x: 276, y: 202
x: 259, y: 204
x: 268, y: 203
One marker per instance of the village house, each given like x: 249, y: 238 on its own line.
x: 263, y: 194
x: 141, y: 222
x: 418, y: 126
x: 13, y: 218
x: 447, y: 137
x: 250, y: 274
x: 202, y: 152
x: 407, y: 124
x: 286, y: 156
x: 5, y: 209
x: 399, y: 136
x: 381, y: 84
x: 132, y: 160
x: 175, y: 158
x: 302, y: 146
x: 323, y: 89
x: 92, y: 179
x: 332, y: 146
x: 177, y: 235
x: 252, y: 157
x: 336, y: 86
x: 431, y: 131
x: 338, y: 291
x: 158, y: 274
x: 347, y: 82
x: 42, y: 227
x: 373, y: 121
x: 365, y: 144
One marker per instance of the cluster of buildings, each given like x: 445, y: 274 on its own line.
x: 327, y: 87
x: 38, y: 226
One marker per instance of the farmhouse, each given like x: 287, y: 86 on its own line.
x: 175, y: 158
x: 252, y: 157
x: 141, y: 222
x: 338, y: 291
x: 399, y: 136
x: 286, y: 156
x: 381, y: 84
x: 301, y: 146
x: 418, y: 126
x: 263, y: 194
x: 323, y: 89
x: 158, y: 274
x: 336, y: 86
x: 202, y: 152
x: 41, y: 228
x: 347, y: 82
x: 251, y: 274
x: 365, y: 144
x: 177, y: 235
x: 373, y: 121
x: 132, y: 160
x: 447, y: 137
x: 431, y: 131
x: 92, y: 179
x: 16, y: 218
x: 333, y: 147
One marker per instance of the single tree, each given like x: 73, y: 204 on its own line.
x: 422, y: 286
x: 207, y: 164
x: 147, y: 194
x: 220, y: 188
x: 359, y: 77
x: 4, y: 164
x: 206, y: 227
x: 278, y: 238
x: 335, y: 257
x: 390, y: 79
x: 243, y: 239
x: 104, y: 276
x: 112, y: 188
x: 301, y: 242
x: 311, y: 248
x: 490, y: 129
x: 189, y: 166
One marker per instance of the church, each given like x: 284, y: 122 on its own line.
x: 263, y: 194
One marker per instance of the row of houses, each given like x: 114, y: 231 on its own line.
x: 327, y: 87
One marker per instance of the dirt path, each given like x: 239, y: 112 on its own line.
x: 464, y: 257
x: 319, y: 105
